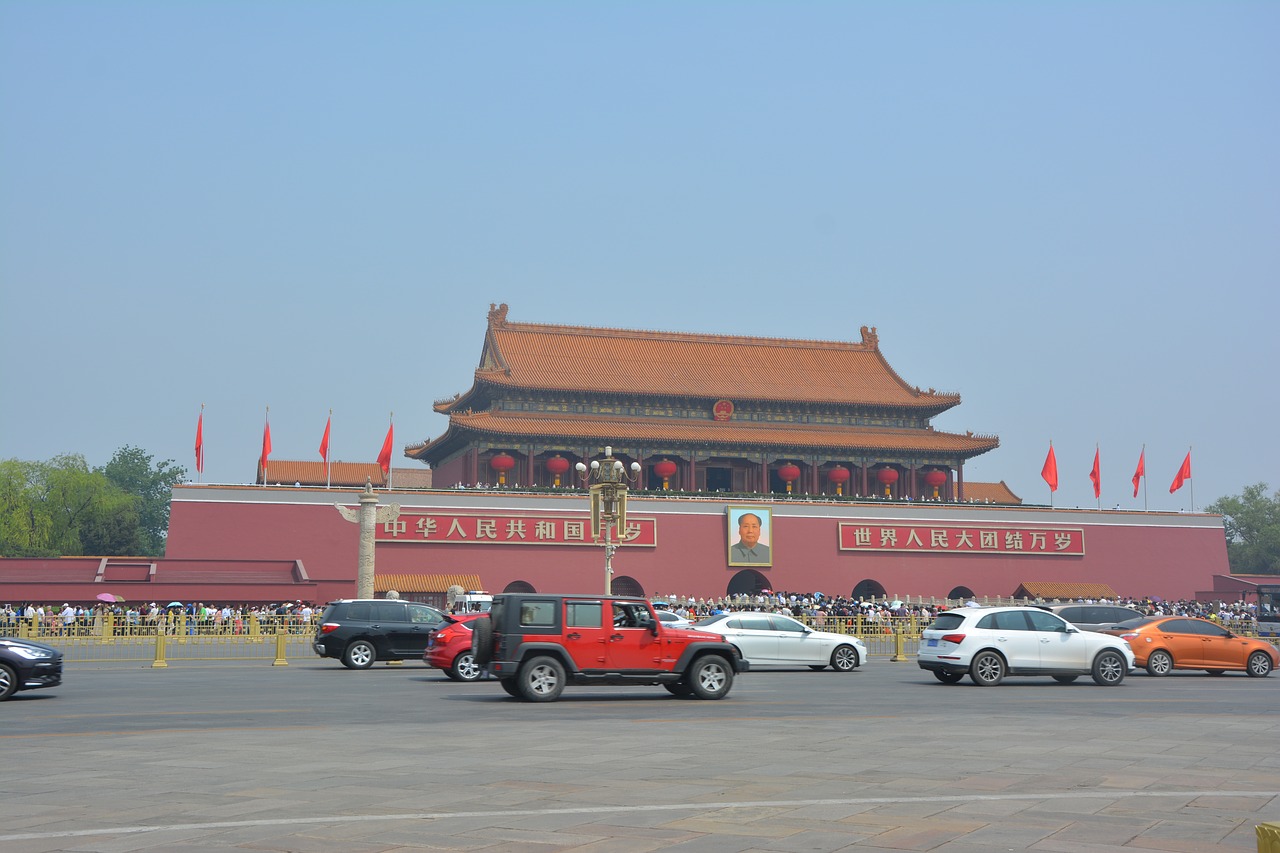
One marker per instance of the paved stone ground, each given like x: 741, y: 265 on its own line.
x: 312, y: 757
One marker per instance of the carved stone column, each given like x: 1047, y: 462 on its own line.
x: 368, y: 516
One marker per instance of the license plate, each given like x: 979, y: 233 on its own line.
x: 931, y: 642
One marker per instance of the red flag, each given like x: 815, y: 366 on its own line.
x: 1184, y: 474
x: 1096, y: 473
x: 384, y: 458
x: 1050, y: 470
x: 324, y: 442
x: 1141, y: 472
x: 266, y: 449
x: 200, y: 442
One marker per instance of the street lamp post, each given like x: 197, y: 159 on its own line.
x: 608, y: 480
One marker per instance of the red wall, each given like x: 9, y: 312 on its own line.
x: 1172, y: 555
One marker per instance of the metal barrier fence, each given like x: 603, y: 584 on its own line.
x: 274, y: 640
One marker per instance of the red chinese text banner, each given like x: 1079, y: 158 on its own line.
x: 944, y: 539
x: 504, y: 529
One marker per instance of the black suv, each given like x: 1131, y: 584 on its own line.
x: 363, y: 630
x: 25, y: 665
x: 536, y: 643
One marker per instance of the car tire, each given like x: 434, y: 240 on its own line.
x: 541, y: 679
x: 465, y: 668
x: 1159, y: 663
x: 359, y: 654
x: 678, y: 688
x: 946, y: 676
x: 8, y: 682
x: 845, y: 658
x: 509, y: 685
x: 1109, y: 668
x: 1258, y: 665
x: 482, y: 640
x: 1065, y: 679
x: 986, y: 669
x: 710, y: 677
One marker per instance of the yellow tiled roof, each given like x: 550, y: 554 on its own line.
x: 1050, y: 589
x: 423, y: 583
x: 998, y: 493
x: 620, y: 431
x: 676, y: 364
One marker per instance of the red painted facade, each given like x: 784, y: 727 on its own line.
x: 686, y: 541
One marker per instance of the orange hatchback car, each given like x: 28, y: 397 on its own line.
x: 1165, y: 643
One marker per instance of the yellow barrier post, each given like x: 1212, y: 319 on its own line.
x: 281, y: 640
x: 1268, y: 837
x: 159, y: 661
x: 899, y: 646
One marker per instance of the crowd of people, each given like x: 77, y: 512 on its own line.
x: 296, y: 616
x: 197, y: 617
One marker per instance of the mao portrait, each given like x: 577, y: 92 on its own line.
x: 750, y: 536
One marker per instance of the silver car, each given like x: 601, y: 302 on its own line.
x: 771, y: 639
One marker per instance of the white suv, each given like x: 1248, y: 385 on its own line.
x: 989, y: 643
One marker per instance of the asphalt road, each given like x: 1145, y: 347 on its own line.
x: 312, y: 757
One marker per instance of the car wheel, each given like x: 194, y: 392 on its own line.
x: 1159, y: 662
x: 844, y: 659
x: 509, y: 685
x: 465, y: 668
x: 946, y: 676
x: 8, y: 682
x: 987, y: 669
x: 541, y: 679
x: 710, y: 677
x: 360, y: 654
x: 817, y: 667
x: 678, y: 688
x: 1259, y: 665
x: 1109, y: 668
x: 1065, y: 679
x: 482, y: 640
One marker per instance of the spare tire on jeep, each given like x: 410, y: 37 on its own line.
x: 482, y: 639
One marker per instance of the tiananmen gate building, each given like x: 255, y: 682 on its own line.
x: 829, y: 450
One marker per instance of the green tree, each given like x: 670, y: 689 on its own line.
x: 25, y: 523
x: 1252, y: 523
x: 131, y: 470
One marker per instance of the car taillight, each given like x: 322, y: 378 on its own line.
x: 329, y: 627
x: 953, y: 638
x: 1127, y: 637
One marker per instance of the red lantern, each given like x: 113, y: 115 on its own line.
x: 789, y: 474
x: 887, y: 476
x: 502, y: 463
x: 665, y: 469
x: 935, y: 478
x: 839, y: 475
x: 557, y: 465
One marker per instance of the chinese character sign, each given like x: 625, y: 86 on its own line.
x: 948, y: 539
x: 508, y: 529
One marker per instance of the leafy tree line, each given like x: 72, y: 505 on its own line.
x: 64, y: 508
x: 1252, y: 522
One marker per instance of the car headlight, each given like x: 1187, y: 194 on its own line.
x: 31, y: 653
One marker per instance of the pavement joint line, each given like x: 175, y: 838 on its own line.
x: 592, y: 810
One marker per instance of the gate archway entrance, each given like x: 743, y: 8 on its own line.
x: 747, y: 582
x: 867, y: 588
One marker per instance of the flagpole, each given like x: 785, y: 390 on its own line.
x: 391, y: 420
x: 200, y: 448
x: 1193, y: 483
x: 1144, y: 477
x: 266, y: 425
x: 328, y: 459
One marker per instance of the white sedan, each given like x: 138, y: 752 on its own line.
x: 771, y: 639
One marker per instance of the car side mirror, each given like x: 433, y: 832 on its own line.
x: 653, y: 627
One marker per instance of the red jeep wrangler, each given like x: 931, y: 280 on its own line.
x: 536, y: 643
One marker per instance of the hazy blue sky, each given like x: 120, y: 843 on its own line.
x: 1067, y: 212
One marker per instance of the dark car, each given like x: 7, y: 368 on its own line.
x: 25, y: 665
x: 360, y: 631
x: 1094, y: 617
